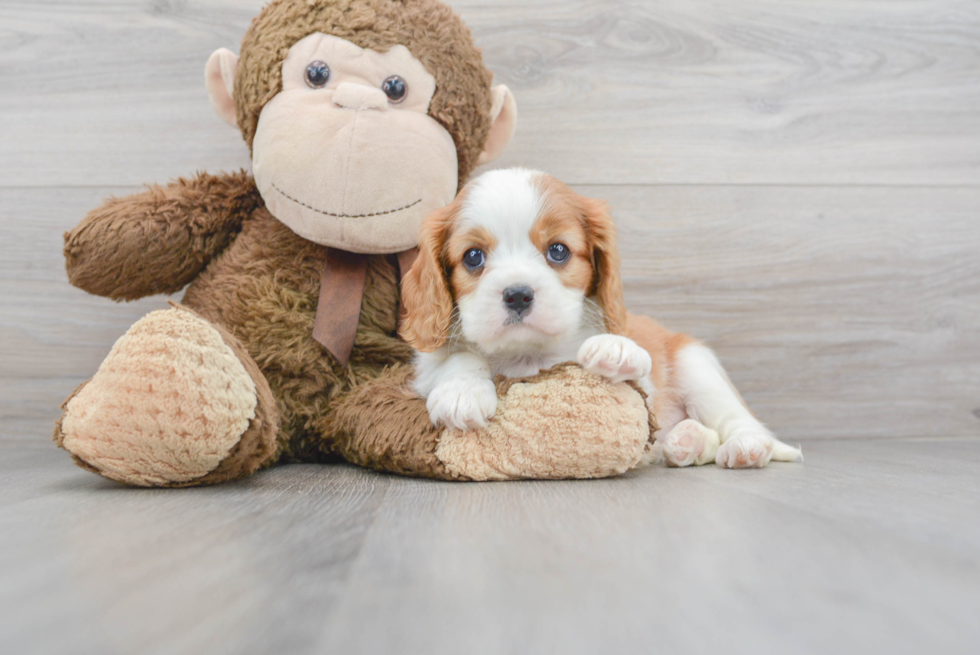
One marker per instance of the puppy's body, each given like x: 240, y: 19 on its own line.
x: 519, y: 274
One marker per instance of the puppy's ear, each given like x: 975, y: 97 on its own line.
x: 427, y: 305
x: 607, y: 285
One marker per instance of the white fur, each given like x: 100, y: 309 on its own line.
x: 561, y: 326
x: 720, y: 427
x: 506, y: 203
x: 614, y: 357
x: 707, y: 421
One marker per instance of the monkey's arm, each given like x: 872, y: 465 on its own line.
x: 560, y: 423
x: 159, y: 240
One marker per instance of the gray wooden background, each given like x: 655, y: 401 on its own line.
x: 796, y: 182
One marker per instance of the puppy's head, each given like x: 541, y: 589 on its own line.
x: 516, y: 253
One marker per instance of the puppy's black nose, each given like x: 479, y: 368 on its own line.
x: 518, y: 299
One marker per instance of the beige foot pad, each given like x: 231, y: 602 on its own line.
x: 561, y: 423
x: 167, y: 405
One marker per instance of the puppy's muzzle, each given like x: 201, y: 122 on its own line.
x: 518, y: 299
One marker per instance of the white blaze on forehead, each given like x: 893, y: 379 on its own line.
x: 508, y: 204
x: 505, y: 202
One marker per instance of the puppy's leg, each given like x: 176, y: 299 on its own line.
x: 458, y: 389
x: 711, y: 399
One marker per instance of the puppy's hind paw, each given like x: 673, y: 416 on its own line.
x: 689, y: 443
x: 746, y: 450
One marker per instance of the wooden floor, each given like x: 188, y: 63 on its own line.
x: 870, y: 547
x: 798, y: 183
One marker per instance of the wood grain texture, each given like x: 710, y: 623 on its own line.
x: 840, y: 312
x: 609, y: 91
x: 845, y: 305
x: 866, y: 548
x: 798, y: 183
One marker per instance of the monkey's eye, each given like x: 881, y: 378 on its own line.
x: 395, y: 88
x: 317, y: 74
x: 558, y: 253
x: 474, y: 259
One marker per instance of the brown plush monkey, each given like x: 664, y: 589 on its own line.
x: 361, y: 116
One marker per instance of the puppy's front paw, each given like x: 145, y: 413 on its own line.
x: 614, y: 357
x: 465, y: 403
x: 745, y: 450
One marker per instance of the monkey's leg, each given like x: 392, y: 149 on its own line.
x: 561, y: 423
x: 178, y: 402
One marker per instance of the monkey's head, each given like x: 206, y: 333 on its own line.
x: 362, y: 116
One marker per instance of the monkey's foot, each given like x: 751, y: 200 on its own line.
x: 560, y: 423
x: 177, y: 402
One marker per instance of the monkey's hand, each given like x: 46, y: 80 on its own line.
x: 159, y: 240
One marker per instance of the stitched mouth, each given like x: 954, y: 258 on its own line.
x: 336, y: 215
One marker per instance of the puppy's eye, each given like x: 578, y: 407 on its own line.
x: 558, y: 253
x: 395, y: 88
x: 317, y: 74
x: 474, y: 259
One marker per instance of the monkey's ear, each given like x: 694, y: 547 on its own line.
x: 219, y: 76
x: 503, y: 113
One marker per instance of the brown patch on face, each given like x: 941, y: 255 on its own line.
x: 561, y: 221
x: 463, y: 280
x: 427, y: 304
x: 591, y: 237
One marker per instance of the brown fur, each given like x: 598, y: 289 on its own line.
x: 258, y: 282
x: 561, y: 222
x: 607, y: 286
x: 159, y: 240
x: 566, y: 207
x: 461, y: 279
x: 382, y: 424
x: 431, y: 31
x: 663, y: 346
x: 264, y: 289
x: 427, y: 306
x: 251, y: 276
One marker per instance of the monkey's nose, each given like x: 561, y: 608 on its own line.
x: 518, y: 299
x: 358, y: 96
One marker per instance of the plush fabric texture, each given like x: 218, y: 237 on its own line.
x: 264, y: 289
x: 561, y: 423
x: 159, y: 240
x: 382, y: 424
x: 233, y: 380
x: 259, y: 298
x: 151, y: 384
x: 433, y: 33
x: 367, y: 178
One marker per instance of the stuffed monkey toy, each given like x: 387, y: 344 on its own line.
x: 361, y: 117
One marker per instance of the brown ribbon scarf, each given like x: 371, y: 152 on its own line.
x: 341, y: 291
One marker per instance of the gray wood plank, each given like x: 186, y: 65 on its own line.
x: 52, y: 336
x: 840, y: 312
x: 867, y: 547
x: 109, y: 92
x: 91, y: 566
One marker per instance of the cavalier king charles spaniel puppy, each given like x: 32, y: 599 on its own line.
x: 521, y: 273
